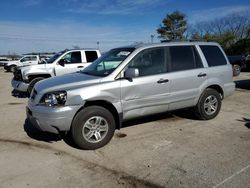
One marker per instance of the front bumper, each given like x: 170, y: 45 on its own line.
x: 49, y: 119
x: 19, y: 85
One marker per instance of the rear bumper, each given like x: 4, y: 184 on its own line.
x: 19, y: 85
x: 229, y: 89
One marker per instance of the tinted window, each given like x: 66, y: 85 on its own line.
x: 25, y: 59
x: 33, y: 58
x: 91, y: 56
x: 149, y: 62
x: 73, y: 57
x: 184, y: 58
x: 213, y: 55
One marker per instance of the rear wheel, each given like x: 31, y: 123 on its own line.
x: 32, y: 84
x: 93, y: 127
x: 236, y: 70
x: 208, y: 105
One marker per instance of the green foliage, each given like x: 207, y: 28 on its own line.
x: 241, y: 47
x: 174, y: 26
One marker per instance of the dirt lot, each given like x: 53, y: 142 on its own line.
x: 168, y: 150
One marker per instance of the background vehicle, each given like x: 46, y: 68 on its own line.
x: 131, y: 82
x: 3, y: 62
x: 238, y: 63
x: 248, y: 62
x: 64, y: 62
x: 24, y: 61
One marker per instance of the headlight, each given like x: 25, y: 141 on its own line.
x: 57, y: 98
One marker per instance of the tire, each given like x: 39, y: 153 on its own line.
x: 32, y: 84
x: 236, y: 70
x: 12, y: 68
x: 87, y: 125
x: 208, y: 105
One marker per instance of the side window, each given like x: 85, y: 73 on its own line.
x: 25, y: 59
x: 213, y: 55
x: 72, y: 57
x: 184, y: 58
x: 91, y: 56
x: 33, y: 58
x: 149, y: 62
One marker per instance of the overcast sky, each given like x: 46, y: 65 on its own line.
x: 53, y: 25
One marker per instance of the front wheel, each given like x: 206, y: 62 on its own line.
x: 12, y: 68
x: 32, y: 84
x: 93, y: 127
x: 208, y: 105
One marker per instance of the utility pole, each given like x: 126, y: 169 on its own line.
x: 98, y: 45
x: 152, y: 38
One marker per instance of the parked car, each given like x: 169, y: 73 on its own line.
x: 131, y: 82
x: 24, y: 61
x: 64, y: 62
x: 247, y: 62
x: 238, y: 63
x: 3, y: 62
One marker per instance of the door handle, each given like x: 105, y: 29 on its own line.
x: 80, y: 66
x: 202, y: 74
x: 162, y: 81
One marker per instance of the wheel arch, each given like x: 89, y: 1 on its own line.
x: 218, y: 89
x: 107, y: 105
x: 33, y: 76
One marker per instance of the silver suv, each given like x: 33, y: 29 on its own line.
x: 131, y: 82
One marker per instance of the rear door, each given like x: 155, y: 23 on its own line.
x: 186, y: 75
x: 34, y: 60
x: 72, y: 63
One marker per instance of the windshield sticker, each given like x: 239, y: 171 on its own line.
x: 123, y: 53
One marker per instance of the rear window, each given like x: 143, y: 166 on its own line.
x: 91, y: 56
x: 213, y: 55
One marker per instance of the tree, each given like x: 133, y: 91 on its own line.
x: 227, y: 31
x: 174, y: 26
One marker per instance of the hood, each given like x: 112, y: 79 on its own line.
x: 39, y: 66
x: 19, y: 65
x: 65, y: 82
x: 13, y: 62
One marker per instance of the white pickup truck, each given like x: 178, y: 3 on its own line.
x: 23, y: 61
x: 67, y: 61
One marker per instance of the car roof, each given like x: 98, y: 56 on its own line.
x: 145, y: 45
x: 81, y: 49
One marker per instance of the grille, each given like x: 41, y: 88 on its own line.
x: 18, y: 75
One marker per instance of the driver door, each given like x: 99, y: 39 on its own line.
x: 26, y: 60
x: 72, y: 63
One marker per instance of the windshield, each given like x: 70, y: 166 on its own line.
x: 53, y: 58
x: 107, y: 63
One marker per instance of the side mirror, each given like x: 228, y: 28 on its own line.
x: 61, y: 62
x: 131, y: 73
